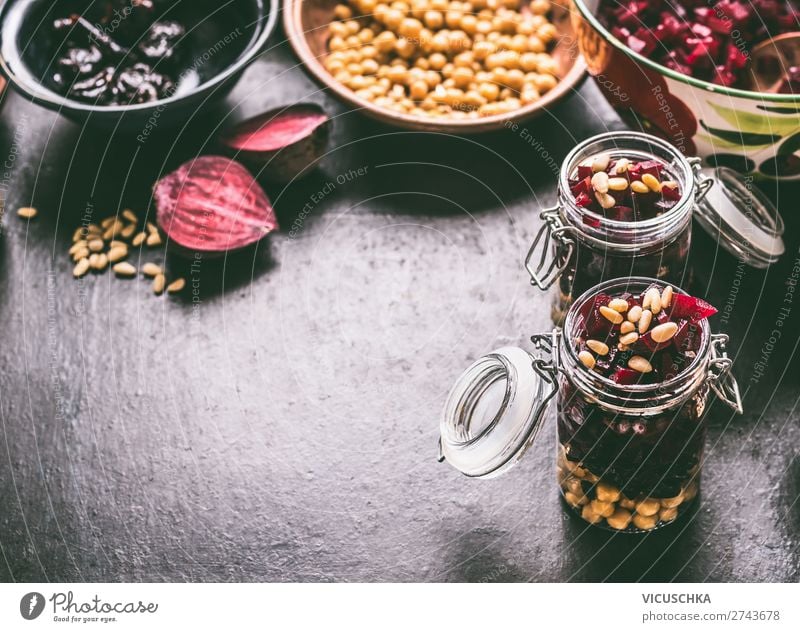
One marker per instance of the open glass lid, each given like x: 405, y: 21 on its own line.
x: 493, y: 413
x: 741, y: 218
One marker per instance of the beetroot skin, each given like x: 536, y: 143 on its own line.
x: 282, y: 143
x: 212, y: 204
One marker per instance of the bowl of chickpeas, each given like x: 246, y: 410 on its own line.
x: 439, y: 65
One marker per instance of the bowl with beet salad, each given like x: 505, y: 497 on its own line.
x: 692, y: 71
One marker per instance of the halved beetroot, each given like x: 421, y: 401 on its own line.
x: 282, y: 143
x: 621, y: 375
x: 212, y: 204
x: 691, y: 308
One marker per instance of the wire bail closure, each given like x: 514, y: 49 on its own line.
x: 554, y: 230
x: 720, y: 378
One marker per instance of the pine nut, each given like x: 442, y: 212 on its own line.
x: 78, y: 235
x: 617, y: 184
x: 139, y: 239
x: 605, y: 200
x: 117, y: 254
x: 113, y: 230
x: 27, y: 212
x: 652, y: 300
x: 670, y: 184
x: 610, y: 314
x: 127, y: 232
x: 626, y: 503
x: 600, y: 182
x: 101, y: 262
x: 575, y: 500
x: 627, y: 327
x: 115, y: 243
x: 600, y: 348
x: 130, y: 216
x: 621, y: 166
x: 662, y: 333
x: 638, y: 363
x: 634, y: 314
x: 159, y: 281
x: 645, y: 320
x: 93, y: 259
x: 648, y: 507
x: 600, y: 162
x: 153, y: 239
x: 124, y: 269
x: 108, y: 221
x: 78, y: 245
x: 690, y: 491
x: 620, y: 519
x: 176, y: 286
x: 644, y: 522
x: 639, y: 187
x: 96, y: 245
x: 607, y: 493
x: 81, y: 268
x: 151, y: 269
x: 93, y: 229
x: 80, y: 253
x: 618, y: 305
x: 629, y: 338
x: 587, y: 359
x: 666, y: 296
x: 651, y: 181
x: 152, y: 228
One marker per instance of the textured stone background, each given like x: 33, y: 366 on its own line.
x: 285, y: 428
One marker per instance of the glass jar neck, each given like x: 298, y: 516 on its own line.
x: 637, y: 399
x: 628, y: 236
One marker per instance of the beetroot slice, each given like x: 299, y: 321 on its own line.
x: 281, y: 143
x: 212, y: 204
x: 691, y: 308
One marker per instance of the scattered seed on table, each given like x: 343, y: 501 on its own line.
x: 158, y: 283
x: 130, y: 216
x: 81, y: 268
x: 124, y: 269
x: 80, y: 253
x: 78, y: 235
x: 106, y: 222
x: 78, y: 245
x: 96, y: 245
x: 115, y: 243
x: 127, y: 232
x: 27, y: 212
x: 101, y: 262
x: 153, y: 239
x: 151, y: 269
x: 152, y: 228
x: 176, y: 286
x: 139, y: 239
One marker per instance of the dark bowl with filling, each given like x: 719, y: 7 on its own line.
x: 130, y: 65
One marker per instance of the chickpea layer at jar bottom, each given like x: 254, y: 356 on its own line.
x: 438, y: 58
x: 603, y: 504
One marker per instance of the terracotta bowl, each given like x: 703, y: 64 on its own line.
x: 306, y: 24
x: 751, y: 132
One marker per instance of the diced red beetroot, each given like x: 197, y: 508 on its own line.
x: 673, y: 194
x: 598, y: 325
x: 584, y: 171
x: 691, y: 308
x: 622, y: 375
x: 669, y: 368
x: 584, y: 185
x: 646, y: 344
x: 622, y: 213
x: 682, y: 335
x: 584, y: 200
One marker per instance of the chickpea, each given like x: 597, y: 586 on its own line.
x: 468, y: 24
x: 397, y: 74
x: 369, y: 52
x: 518, y: 43
x: 422, y: 62
x: 352, y: 27
x: 484, y: 27
x: 334, y: 65
x: 418, y: 8
x: 381, y: 10
x: 540, y: 7
x: 338, y: 29
x: 405, y: 48
x: 439, y: 5
x: 453, y: 18
x: 481, y: 50
x: 463, y: 76
x: 437, y: 61
x: 355, y: 69
x: 525, y: 28
x: 515, y: 80
x: 440, y: 42
x: 401, y: 5
x: 432, y: 78
x: 367, y: 7
x: 547, y: 65
x: 352, y: 42
x: 528, y: 62
x: 410, y: 28
x: 343, y: 12
x: 385, y: 41
x: 433, y: 19
x: 500, y: 76
x: 535, y: 44
x: 489, y: 91
x: 545, y: 83
x: 464, y: 59
x: 369, y: 66
x: 547, y: 32
x: 393, y: 18
x: 418, y: 90
x: 337, y: 43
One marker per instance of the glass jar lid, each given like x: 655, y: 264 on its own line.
x: 741, y: 218
x: 493, y: 413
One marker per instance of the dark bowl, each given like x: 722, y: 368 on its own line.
x: 222, y: 38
